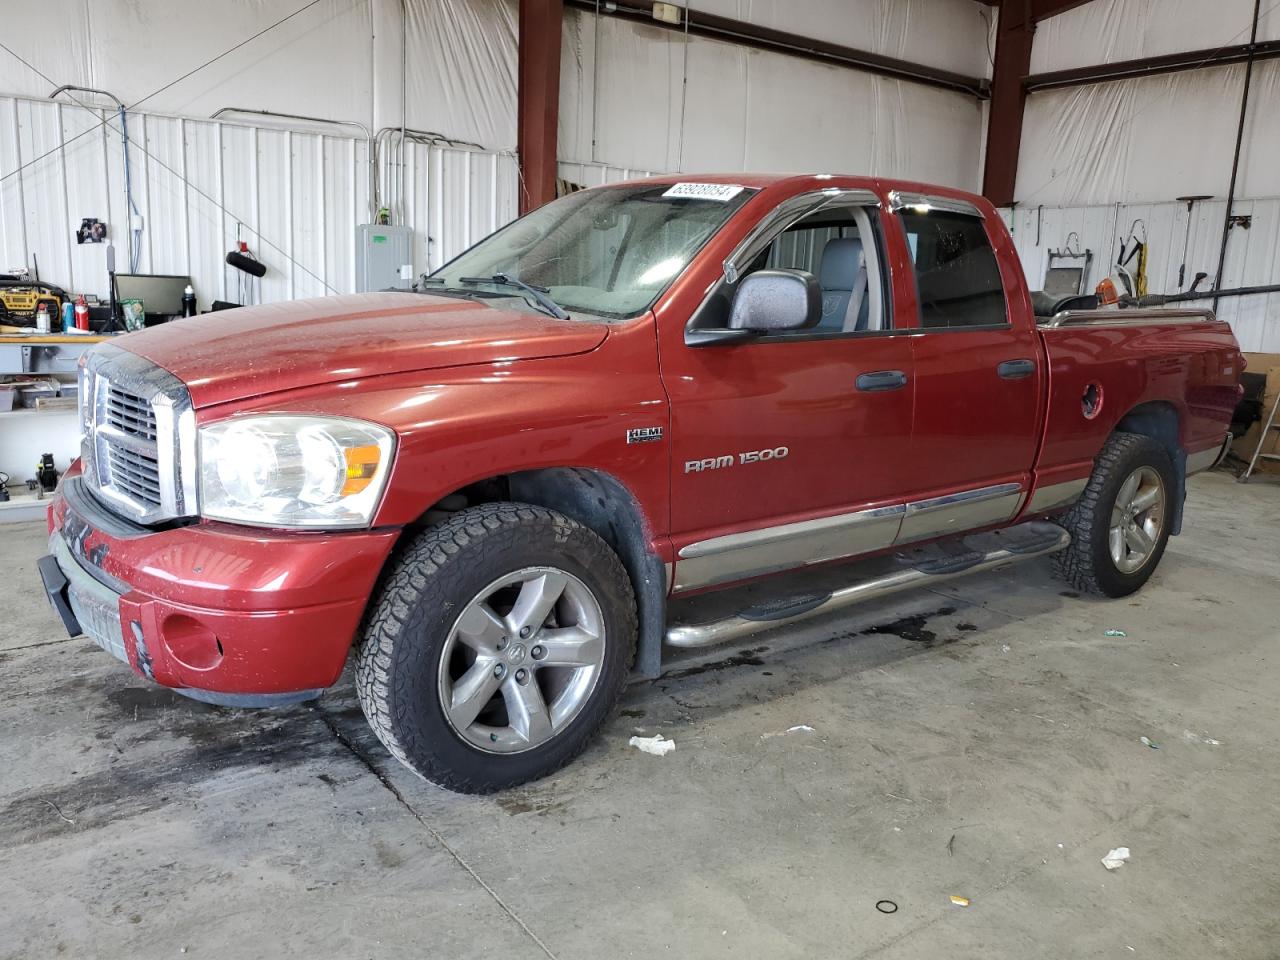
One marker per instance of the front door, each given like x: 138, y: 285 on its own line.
x: 791, y: 448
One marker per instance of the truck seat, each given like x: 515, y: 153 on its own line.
x: 843, y: 279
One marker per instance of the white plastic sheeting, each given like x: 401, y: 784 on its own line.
x: 134, y: 49
x: 1155, y: 138
x: 337, y: 59
x: 294, y: 197
x: 949, y: 34
x: 1150, y: 139
x: 461, y: 74
x: 1107, y: 31
x: 1253, y: 255
x: 636, y: 95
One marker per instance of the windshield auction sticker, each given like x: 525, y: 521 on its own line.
x: 704, y: 191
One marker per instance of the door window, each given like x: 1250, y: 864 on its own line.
x: 840, y: 247
x: 957, y: 276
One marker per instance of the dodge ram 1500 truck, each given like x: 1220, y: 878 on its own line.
x: 491, y: 486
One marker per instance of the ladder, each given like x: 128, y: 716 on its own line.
x: 1267, y: 427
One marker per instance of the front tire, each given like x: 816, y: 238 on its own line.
x: 1120, y: 525
x: 497, y: 646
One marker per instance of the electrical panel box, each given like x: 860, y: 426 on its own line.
x: 384, y: 257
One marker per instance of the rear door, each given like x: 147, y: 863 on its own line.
x: 978, y: 373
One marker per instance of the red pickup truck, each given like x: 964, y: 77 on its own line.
x: 492, y: 486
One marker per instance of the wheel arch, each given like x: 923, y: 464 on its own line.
x: 1161, y: 421
x: 603, y: 504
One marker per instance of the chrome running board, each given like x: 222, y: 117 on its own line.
x: 922, y: 566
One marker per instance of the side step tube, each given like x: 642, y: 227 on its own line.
x: 1049, y: 538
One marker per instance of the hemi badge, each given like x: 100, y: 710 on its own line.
x: 644, y: 434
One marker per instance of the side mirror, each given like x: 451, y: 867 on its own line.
x: 769, y: 300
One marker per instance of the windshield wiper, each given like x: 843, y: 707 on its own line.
x: 539, y: 294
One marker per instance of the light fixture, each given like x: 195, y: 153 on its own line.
x: 667, y: 13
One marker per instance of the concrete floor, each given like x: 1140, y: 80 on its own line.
x: 982, y: 740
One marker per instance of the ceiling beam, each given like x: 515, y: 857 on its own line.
x: 743, y: 33
x: 1151, y: 66
x: 1015, y: 31
x: 538, y: 99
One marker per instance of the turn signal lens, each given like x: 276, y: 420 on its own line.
x: 1106, y: 292
x: 362, y: 467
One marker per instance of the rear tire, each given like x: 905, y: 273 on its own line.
x: 496, y: 647
x: 1120, y: 525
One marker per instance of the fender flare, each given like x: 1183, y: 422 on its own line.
x: 604, y: 505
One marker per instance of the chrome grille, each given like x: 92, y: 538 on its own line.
x: 134, y: 473
x: 130, y: 414
x: 139, y: 436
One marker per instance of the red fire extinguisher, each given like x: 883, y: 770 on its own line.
x: 82, y: 314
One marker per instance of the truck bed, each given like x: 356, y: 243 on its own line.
x: 1181, y: 367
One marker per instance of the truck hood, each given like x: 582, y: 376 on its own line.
x: 251, y: 351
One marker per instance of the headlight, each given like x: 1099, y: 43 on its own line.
x: 284, y: 470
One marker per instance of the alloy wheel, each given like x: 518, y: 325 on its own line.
x: 522, y: 660
x: 1137, y: 520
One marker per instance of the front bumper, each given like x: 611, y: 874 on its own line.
x: 217, y: 612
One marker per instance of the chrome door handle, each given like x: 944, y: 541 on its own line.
x: 1016, y: 369
x: 881, y: 380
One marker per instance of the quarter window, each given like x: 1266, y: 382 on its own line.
x: 957, y: 276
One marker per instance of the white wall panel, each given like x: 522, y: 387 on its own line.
x: 294, y: 196
x: 715, y: 127
x: 1107, y: 31
x: 1253, y: 255
x: 745, y: 109
x: 598, y: 174
x: 455, y: 198
x: 1150, y: 139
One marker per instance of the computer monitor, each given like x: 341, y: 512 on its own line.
x: 161, y: 295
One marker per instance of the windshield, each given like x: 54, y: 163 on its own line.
x: 609, y: 251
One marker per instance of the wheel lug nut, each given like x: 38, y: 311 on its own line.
x: 537, y: 653
x: 502, y: 644
x: 499, y: 670
x: 522, y: 676
x: 524, y: 632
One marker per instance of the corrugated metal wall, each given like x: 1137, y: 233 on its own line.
x: 451, y: 197
x: 294, y: 196
x: 596, y: 174
x: 1253, y: 254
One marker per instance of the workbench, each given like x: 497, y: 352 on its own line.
x: 44, y: 353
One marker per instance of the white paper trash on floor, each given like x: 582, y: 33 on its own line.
x: 798, y: 728
x: 658, y: 745
x: 1116, y: 858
